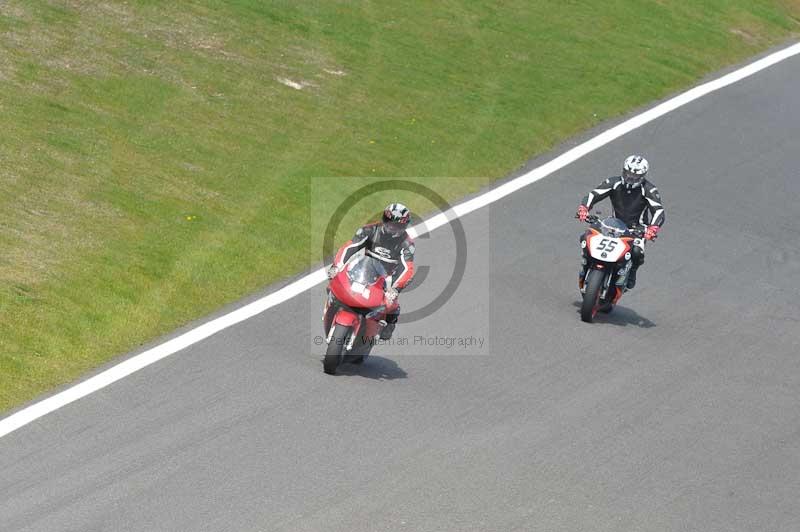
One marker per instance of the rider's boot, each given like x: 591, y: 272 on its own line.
x: 632, y: 277
x: 391, y: 323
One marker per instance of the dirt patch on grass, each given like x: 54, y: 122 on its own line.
x: 296, y: 85
x: 745, y: 35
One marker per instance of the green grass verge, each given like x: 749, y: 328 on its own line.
x: 153, y: 165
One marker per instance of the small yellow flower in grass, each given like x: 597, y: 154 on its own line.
x: 372, y: 142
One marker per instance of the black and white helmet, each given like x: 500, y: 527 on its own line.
x: 396, y: 218
x: 634, y: 169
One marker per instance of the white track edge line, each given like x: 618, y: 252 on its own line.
x: 142, y: 360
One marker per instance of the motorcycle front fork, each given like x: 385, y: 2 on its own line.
x: 582, y: 274
x: 622, y: 275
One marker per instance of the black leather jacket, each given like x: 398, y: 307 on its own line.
x: 638, y: 205
x: 397, y: 253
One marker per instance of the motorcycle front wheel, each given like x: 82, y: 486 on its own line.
x: 591, y: 298
x: 361, y: 350
x: 334, y: 353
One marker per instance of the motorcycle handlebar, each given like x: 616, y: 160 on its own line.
x: 637, y: 231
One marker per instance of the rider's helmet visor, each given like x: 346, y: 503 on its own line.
x: 394, y: 228
x: 631, y: 178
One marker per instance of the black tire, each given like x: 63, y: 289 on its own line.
x: 591, y: 299
x: 334, y: 353
x: 367, y: 351
x: 361, y: 350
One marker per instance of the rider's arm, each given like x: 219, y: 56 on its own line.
x: 405, y: 270
x: 654, y: 205
x: 601, y: 191
x: 351, y: 247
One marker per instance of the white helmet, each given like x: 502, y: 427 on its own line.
x: 396, y: 218
x: 634, y: 169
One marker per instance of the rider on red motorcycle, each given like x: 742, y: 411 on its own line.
x: 635, y: 200
x: 389, y: 243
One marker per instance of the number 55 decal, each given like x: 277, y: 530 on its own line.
x: 607, y: 245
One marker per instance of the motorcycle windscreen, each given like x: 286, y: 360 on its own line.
x: 366, y: 271
x: 364, y: 286
x: 613, y: 227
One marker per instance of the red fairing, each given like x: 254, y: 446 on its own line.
x: 340, y: 286
x: 628, y: 244
x: 359, y: 308
x: 347, y: 319
x: 587, y: 236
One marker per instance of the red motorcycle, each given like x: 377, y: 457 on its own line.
x: 355, y: 311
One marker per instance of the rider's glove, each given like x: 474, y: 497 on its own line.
x: 333, y: 271
x: 391, y: 295
x: 651, y: 232
x: 583, y: 212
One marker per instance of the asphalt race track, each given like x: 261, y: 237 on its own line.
x: 679, y: 411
